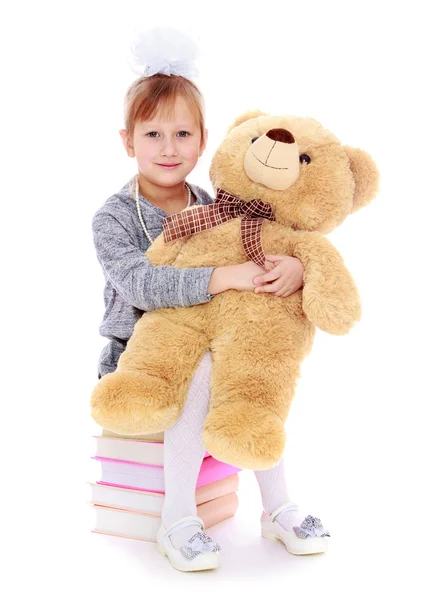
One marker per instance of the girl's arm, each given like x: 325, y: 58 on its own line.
x: 136, y: 280
x: 147, y: 287
x: 283, y: 279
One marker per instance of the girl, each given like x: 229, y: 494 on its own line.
x: 165, y: 132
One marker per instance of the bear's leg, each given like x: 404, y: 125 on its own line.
x: 252, y: 385
x: 147, y: 391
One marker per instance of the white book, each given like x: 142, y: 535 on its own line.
x: 125, y: 523
x: 153, y: 502
x: 141, y: 526
x: 149, y: 453
x: 150, y: 437
x: 138, y: 451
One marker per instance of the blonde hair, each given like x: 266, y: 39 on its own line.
x: 149, y: 95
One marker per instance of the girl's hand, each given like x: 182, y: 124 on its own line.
x: 235, y: 277
x: 285, y: 277
x: 242, y: 276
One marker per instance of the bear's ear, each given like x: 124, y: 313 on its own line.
x: 251, y: 114
x: 366, y: 176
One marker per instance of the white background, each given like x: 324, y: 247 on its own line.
x: 353, y: 432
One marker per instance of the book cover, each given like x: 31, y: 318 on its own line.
x: 153, y: 502
x: 131, y: 450
x: 151, y: 477
x: 141, y: 526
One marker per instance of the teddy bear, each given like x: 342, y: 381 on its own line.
x: 282, y: 183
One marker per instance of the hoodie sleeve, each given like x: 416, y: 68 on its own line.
x: 136, y: 280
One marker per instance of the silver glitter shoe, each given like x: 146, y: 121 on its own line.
x: 309, y: 538
x: 200, y: 553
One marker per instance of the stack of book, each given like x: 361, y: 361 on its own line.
x: 129, y: 495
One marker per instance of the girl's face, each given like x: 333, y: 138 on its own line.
x: 166, y: 151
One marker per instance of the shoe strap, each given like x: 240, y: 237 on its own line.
x: 284, y: 508
x: 184, y: 522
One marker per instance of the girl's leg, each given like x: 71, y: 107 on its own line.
x: 283, y: 520
x: 273, y: 489
x: 183, y: 455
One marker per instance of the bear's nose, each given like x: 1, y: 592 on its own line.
x: 281, y: 135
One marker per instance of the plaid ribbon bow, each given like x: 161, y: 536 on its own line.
x: 225, y: 208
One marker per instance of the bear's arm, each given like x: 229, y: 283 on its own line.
x: 330, y: 297
x: 162, y: 254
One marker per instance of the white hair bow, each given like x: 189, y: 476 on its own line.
x: 163, y: 50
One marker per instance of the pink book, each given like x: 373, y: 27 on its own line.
x: 150, y: 478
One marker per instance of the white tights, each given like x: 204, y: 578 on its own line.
x: 183, y: 456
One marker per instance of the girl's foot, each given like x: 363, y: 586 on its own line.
x: 299, y: 535
x: 198, y: 553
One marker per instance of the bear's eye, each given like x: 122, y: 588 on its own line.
x: 254, y: 139
x: 304, y: 158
